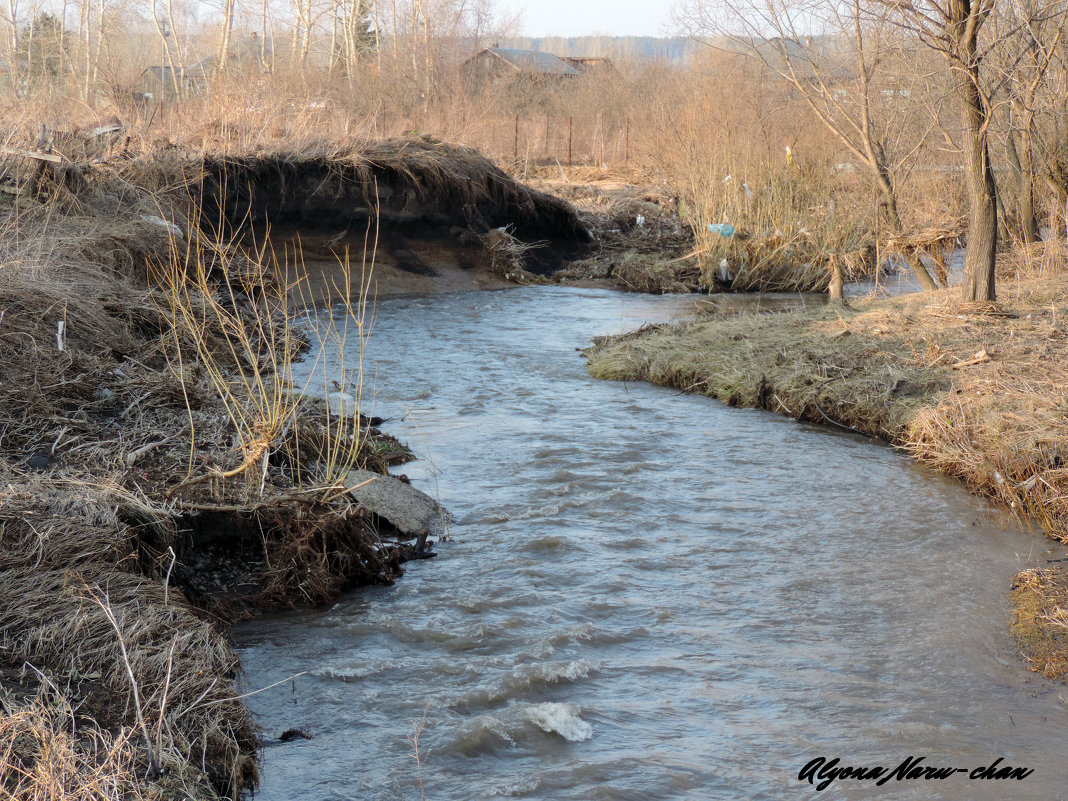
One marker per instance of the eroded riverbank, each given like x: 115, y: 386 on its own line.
x: 162, y: 474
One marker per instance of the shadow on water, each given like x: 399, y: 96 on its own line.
x: 648, y: 595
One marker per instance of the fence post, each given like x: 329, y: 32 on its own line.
x: 516, y: 138
x: 600, y: 136
x: 626, y: 142
x: 569, y: 130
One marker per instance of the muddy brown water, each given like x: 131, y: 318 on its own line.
x: 648, y: 595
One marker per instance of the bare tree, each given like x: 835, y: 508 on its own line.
x: 953, y: 28
x: 9, y: 14
x: 351, y: 35
x: 424, y: 38
x: 1052, y: 121
x: 225, y: 31
x: 834, y: 54
x: 1025, y: 67
x: 831, y: 53
x: 303, y: 20
x: 163, y: 20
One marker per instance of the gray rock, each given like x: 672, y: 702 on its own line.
x: 411, y: 511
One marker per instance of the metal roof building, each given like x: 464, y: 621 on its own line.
x: 500, y: 62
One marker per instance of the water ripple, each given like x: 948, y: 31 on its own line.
x: 648, y: 595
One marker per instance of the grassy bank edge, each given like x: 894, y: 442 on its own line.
x: 126, y: 556
x: 976, y: 392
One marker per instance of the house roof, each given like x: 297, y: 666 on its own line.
x: 197, y: 70
x: 532, y: 61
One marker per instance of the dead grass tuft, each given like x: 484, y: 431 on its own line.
x: 1040, y: 260
x: 1040, y: 620
x: 508, y: 256
x: 49, y: 753
x: 72, y: 556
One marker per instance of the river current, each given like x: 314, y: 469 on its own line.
x: 647, y: 595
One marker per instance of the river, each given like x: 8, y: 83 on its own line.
x: 647, y: 595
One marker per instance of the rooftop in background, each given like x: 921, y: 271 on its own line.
x: 531, y: 66
x: 589, y: 63
x: 675, y: 50
x: 529, y: 61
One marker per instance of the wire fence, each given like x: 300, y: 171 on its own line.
x: 538, y: 139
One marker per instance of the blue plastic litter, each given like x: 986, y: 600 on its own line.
x: 723, y: 229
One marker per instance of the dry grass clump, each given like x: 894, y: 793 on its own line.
x: 508, y: 256
x: 641, y: 245
x: 48, y: 753
x: 84, y: 568
x: 802, y: 364
x: 72, y: 623
x: 76, y: 330
x: 1004, y: 431
x: 776, y: 262
x: 52, y: 524
x: 1040, y: 620
x: 653, y: 274
x: 1040, y: 260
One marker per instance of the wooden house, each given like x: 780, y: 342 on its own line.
x: 501, y: 64
x: 162, y: 84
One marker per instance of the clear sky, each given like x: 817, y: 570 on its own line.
x: 588, y: 17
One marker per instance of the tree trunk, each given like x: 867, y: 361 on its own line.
x: 1013, y: 157
x: 912, y: 258
x: 887, y: 196
x: 1027, y: 190
x: 978, y: 283
x: 101, y: 23
x: 834, y: 288
x: 11, y: 21
x: 165, y: 35
x: 224, y: 38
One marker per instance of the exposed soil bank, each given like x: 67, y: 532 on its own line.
x: 425, y: 215
x: 977, y: 392
x: 640, y: 243
x: 158, y: 479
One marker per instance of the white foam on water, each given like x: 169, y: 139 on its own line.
x: 357, y: 671
x: 521, y: 680
x: 521, y: 787
x: 562, y: 719
x: 542, y: 674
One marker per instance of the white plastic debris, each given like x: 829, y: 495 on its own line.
x: 724, y: 272
x: 159, y: 222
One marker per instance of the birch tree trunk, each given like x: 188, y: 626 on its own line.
x: 11, y: 14
x: 224, y: 37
